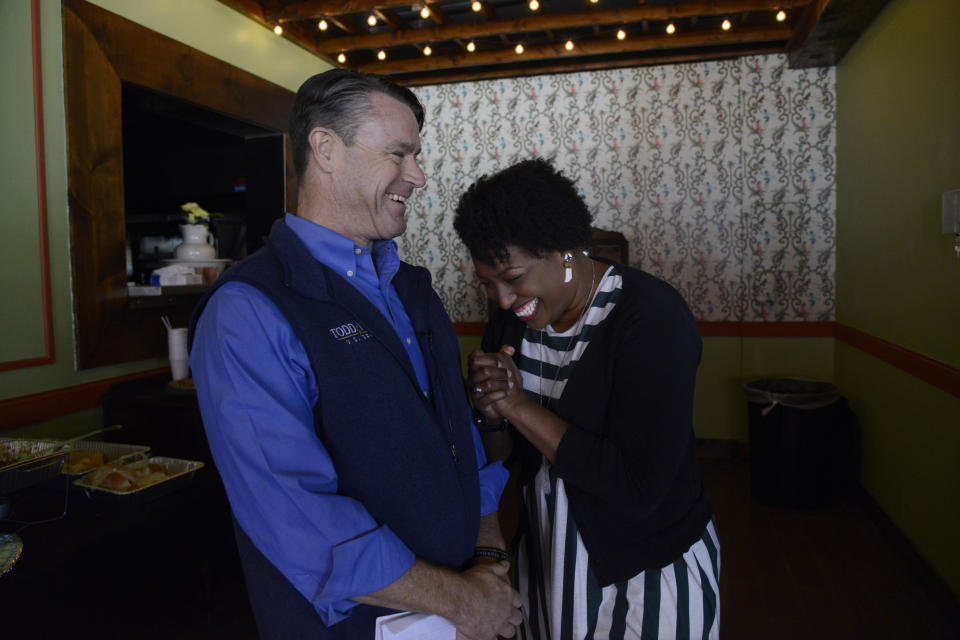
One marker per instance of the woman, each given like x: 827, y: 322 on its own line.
x: 592, y: 365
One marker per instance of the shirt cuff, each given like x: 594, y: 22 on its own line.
x: 360, y: 566
x: 493, y: 478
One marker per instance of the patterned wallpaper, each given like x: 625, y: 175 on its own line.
x: 721, y: 175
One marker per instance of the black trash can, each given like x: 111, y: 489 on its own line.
x: 804, y: 443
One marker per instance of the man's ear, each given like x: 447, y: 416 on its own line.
x: 322, y: 142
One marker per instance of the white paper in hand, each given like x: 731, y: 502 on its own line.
x: 414, y: 626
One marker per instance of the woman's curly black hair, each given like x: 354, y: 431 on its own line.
x: 529, y: 205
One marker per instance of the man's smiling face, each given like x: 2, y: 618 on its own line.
x: 377, y: 173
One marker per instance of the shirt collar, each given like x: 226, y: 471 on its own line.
x: 340, y: 254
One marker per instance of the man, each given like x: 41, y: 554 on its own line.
x: 329, y: 382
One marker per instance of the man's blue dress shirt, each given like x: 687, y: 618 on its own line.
x: 257, y: 406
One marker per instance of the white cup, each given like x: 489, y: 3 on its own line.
x: 180, y: 369
x: 177, y: 352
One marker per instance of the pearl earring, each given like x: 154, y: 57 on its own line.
x: 567, y: 266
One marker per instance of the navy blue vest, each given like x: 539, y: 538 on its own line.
x: 407, y: 458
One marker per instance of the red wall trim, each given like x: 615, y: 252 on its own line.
x: 37, y: 407
x: 787, y: 329
x: 767, y: 329
x: 50, y: 404
x: 465, y: 329
x: 719, y: 329
x: 936, y: 373
x: 927, y: 369
x: 47, y: 320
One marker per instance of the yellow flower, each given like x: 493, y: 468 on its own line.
x: 195, y: 214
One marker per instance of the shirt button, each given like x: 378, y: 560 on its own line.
x: 408, y: 340
x: 357, y: 250
x: 350, y: 274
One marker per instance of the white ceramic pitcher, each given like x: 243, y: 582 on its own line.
x: 196, y: 245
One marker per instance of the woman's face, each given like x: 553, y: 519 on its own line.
x: 533, y: 288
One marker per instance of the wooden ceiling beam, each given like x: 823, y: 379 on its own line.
x: 486, y: 11
x: 639, y: 60
x: 837, y: 26
x: 343, y: 23
x: 305, y: 34
x: 806, y: 23
x: 779, y: 34
x: 390, y: 18
x: 552, y: 21
x: 436, y: 13
x: 310, y: 9
x: 250, y: 8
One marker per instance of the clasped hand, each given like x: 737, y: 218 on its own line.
x: 495, y: 383
x: 497, y: 611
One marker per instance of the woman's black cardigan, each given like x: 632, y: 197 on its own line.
x: 628, y: 459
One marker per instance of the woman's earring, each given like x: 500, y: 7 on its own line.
x: 567, y: 266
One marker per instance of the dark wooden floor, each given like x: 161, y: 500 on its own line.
x: 823, y: 573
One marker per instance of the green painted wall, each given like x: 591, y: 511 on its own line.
x: 218, y: 30
x: 898, y: 150
x: 911, y: 450
x: 18, y: 192
x: 206, y: 25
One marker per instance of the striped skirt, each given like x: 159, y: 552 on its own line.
x: 563, y: 600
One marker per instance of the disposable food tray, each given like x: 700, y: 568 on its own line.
x: 24, y: 463
x: 180, y: 473
x: 111, y: 451
x: 15, y: 452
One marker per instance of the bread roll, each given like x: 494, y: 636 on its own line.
x: 116, y: 481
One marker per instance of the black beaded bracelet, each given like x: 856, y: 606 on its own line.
x: 490, y: 552
x: 484, y: 427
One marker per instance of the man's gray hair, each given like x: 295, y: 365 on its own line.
x: 339, y: 100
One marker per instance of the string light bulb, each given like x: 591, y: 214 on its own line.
x: 725, y: 25
x: 427, y: 50
x: 594, y: 1
x: 471, y: 47
x: 277, y: 29
x: 425, y: 12
x: 671, y: 29
x: 621, y: 34
x: 781, y: 15
x: 322, y: 25
x: 381, y: 55
x: 372, y: 20
x: 476, y: 6
x: 569, y: 45
x: 518, y: 49
x: 341, y: 58
x: 534, y: 5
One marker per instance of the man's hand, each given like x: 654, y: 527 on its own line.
x: 478, y: 601
x: 495, y: 610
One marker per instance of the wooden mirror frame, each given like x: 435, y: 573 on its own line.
x: 102, y: 50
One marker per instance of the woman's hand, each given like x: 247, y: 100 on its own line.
x: 496, y: 386
x: 495, y: 382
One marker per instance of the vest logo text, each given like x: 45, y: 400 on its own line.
x: 350, y: 333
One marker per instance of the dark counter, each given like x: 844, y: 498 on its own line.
x: 167, y: 568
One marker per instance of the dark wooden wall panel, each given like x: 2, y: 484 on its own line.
x: 102, y: 50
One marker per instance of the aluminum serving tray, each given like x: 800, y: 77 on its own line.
x: 17, y: 451
x: 111, y: 452
x: 180, y: 474
x: 24, y: 463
